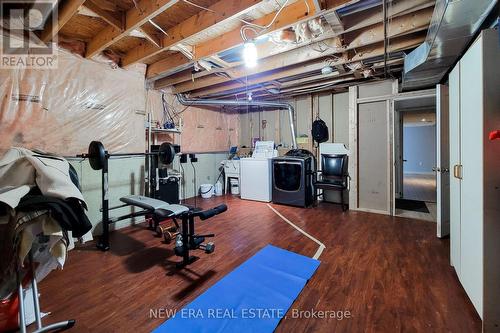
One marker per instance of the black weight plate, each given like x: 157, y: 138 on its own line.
x: 166, y: 153
x: 97, y: 155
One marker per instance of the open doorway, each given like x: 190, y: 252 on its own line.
x: 416, y: 146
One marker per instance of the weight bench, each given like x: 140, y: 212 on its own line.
x: 160, y: 210
x: 185, y: 237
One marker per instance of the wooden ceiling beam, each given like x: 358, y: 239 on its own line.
x: 117, y: 21
x: 371, y: 17
x: 375, y: 15
x: 274, y: 75
x: 151, y: 33
x: 290, y: 15
x: 400, y: 26
x: 134, y: 18
x: 405, y: 24
x: 321, y: 79
x: 65, y: 12
x: 365, y: 53
x: 219, y: 12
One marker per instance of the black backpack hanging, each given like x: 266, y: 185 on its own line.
x: 319, y: 131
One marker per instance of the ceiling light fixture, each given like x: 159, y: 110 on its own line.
x: 250, y: 54
x: 326, y: 70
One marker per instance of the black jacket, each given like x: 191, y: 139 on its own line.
x: 69, y: 213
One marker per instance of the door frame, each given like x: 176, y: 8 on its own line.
x: 354, y: 101
x: 401, y: 97
x: 442, y: 161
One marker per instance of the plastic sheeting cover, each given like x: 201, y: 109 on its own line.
x: 203, y: 129
x: 63, y: 109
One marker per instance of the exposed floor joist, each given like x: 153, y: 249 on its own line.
x: 116, y: 20
x: 134, y: 18
x: 286, y: 60
x: 373, y: 16
x: 289, y: 15
x: 366, y: 53
x: 218, y: 13
x: 400, y: 26
x: 65, y: 12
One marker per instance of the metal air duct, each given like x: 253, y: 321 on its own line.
x: 454, y: 23
x: 265, y: 104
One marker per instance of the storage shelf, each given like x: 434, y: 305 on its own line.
x: 164, y: 130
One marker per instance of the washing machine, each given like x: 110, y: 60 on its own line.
x: 293, y: 178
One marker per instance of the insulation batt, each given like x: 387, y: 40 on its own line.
x: 207, y: 129
x: 61, y: 110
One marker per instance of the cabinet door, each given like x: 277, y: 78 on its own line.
x: 454, y: 95
x: 471, y: 107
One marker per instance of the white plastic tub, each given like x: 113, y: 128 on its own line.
x: 206, y: 191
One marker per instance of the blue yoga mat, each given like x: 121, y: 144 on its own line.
x: 252, y: 298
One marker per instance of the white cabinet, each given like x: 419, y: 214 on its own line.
x: 475, y: 181
x: 255, y: 179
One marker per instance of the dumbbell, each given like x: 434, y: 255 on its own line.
x: 209, y: 247
x: 179, y: 248
x: 167, y: 233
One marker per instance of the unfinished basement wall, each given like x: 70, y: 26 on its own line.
x: 206, y: 131
x: 274, y: 124
x: 63, y: 109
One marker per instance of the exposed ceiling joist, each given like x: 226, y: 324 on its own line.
x: 298, y: 84
x: 218, y: 13
x: 117, y: 21
x: 219, y: 62
x: 405, y: 24
x: 402, y: 25
x: 153, y: 38
x: 365, y: 53
x: 321, y: 77
x: 372, y: 16
x: 65, y: 12
x: 289, y: 15
x: 375, y: 15
x: 275, y: 75
x: 134, y: 18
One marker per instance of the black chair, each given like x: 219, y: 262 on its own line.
x: 333, y: 175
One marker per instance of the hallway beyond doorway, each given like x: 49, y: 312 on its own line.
x: 420, y: 187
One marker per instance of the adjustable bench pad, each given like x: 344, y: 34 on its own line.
x: 158, y: 207
x: 144, y: 202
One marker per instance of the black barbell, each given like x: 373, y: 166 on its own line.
x: 97, y: 155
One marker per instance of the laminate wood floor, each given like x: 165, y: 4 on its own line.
x: 391, y: 274
x: 419, y: 187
